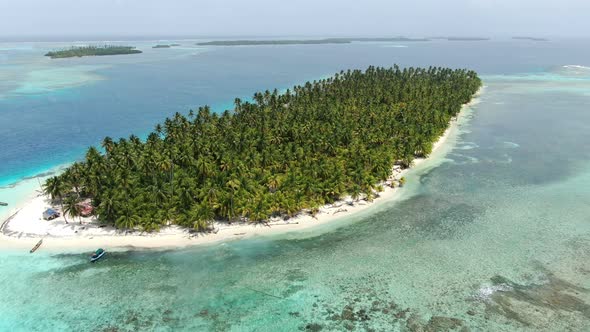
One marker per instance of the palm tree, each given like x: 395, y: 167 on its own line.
x: 200, y: 216
x: 72, y: 208
x: 128, y: 220
x: 402, y: 181
x: 54, y: 188
x: 108, y: 144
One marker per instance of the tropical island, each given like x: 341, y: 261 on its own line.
x: 80, y: 51
x: 306, y: 41
x: 276, y: 156
x: 165, y: 45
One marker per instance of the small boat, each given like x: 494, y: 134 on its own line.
x: 98, y: 254
x: 36, y: 246
x: 3, y: 204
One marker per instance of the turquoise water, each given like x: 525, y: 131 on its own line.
x: 494, y: 235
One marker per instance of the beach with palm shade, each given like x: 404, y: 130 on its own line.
x: 115, y: 222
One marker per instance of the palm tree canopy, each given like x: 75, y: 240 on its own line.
x: 274, y: 155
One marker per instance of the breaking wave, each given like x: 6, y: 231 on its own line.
x: 576, y: 67
x: 485, y: 292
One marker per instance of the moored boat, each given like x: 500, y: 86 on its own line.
x: 36, y: 246
x: 98, y: 254
x: 3, y: 204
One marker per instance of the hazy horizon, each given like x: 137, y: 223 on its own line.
x: 115, y: 38
x: 40, y: 19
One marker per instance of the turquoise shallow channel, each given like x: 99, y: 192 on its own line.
x: 493, y: 235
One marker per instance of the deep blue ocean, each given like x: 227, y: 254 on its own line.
x: 493, y: 235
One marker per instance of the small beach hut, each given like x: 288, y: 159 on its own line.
x: 85, y: 209
x: 50, y: 214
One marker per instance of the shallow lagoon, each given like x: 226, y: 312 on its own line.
x: 495, y: 235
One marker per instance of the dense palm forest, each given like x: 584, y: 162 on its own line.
x: 274, y: 156
x: 91, y: 51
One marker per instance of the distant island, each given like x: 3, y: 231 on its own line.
x: 277, y: 156
x: 92, y: 51
x: 307, y: 41
x: 165, y: 45
x: 529, y: 38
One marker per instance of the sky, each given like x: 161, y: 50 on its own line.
x: 488, y: 18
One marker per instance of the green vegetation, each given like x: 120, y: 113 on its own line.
x: 56, y: 188
x: 165, y: 45
x: 91, y: 51
x: 71, y: 207
x: 402, y: 181
x: 275, y: 156
x: 306, y: 41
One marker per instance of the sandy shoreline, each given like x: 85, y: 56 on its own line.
x: 26, y: 227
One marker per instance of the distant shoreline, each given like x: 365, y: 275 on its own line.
x: 26, y: 227
x: 259, y: 42
x: 529, y: 38
x: 83, y: 51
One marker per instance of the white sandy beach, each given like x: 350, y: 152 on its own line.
x: 26, y: 227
